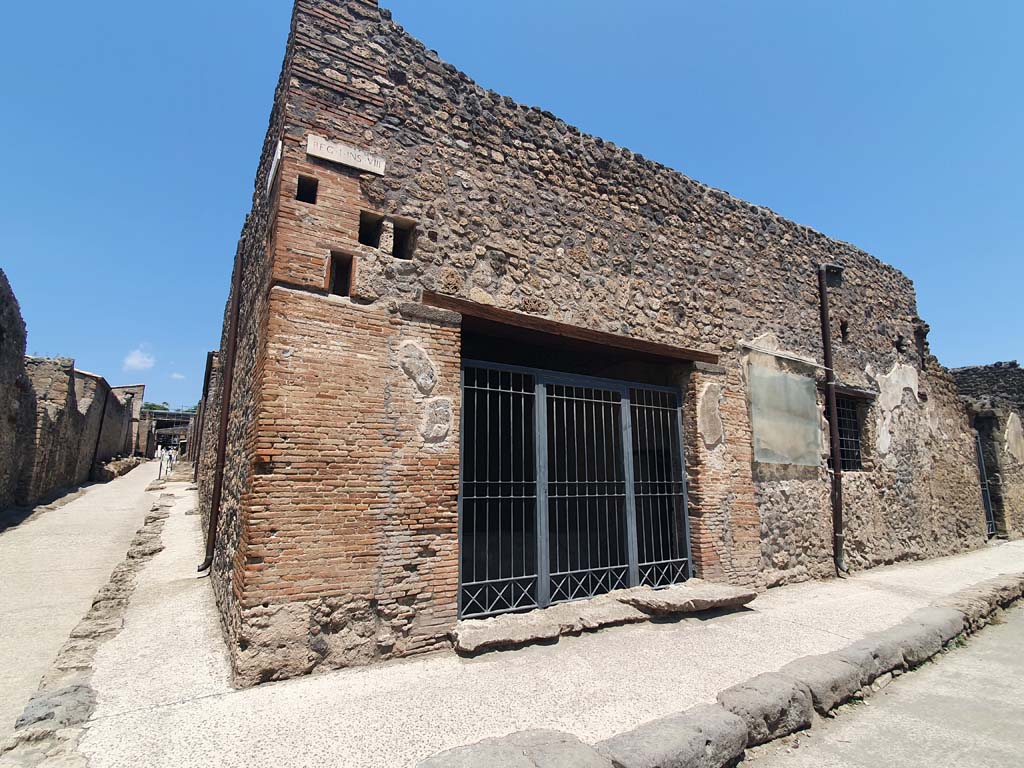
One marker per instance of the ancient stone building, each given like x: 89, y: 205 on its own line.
x: 17, y: 403
x: 470, y: 355
x: 995, y: 400
x: 57, y: 423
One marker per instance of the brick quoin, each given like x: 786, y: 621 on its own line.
x: 337, y: 540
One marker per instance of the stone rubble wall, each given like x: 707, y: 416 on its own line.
x: 335, y: 541
x: 69, y: 406
x: 999, y: 382
x: 17, y: 398
x: 995, y: 396
x: 50, y: 417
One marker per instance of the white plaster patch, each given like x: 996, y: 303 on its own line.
x: 891, y: 387
x: 709, y: 416
x: 1014, y: 438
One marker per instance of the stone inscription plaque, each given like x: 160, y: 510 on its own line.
x: 336, y: 152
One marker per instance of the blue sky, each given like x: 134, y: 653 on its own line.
x: 132, y: 131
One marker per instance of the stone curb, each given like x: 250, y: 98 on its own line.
x: 766, y: 707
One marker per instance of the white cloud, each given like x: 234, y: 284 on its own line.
x: 138, y: 360
x: 178, y: 376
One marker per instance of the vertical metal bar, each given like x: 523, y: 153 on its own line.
x: 459, y: 503
x: 686, y: 494
x: 541, y: 440
x: 603, y: 479
x: 587, y: 432
x: 627, y: 450
x: 501, y: 467
x: 986, y: 495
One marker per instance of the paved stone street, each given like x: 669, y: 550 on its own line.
x: 966, y: 710
x: 51, y: 565
x: 165, y: 698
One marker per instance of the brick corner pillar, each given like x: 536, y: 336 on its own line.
x: 725, y: 526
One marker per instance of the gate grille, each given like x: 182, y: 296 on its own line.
x: 660, y: 498
x: 571, y: 487
x: 586, y: 492
x: 499, y: 493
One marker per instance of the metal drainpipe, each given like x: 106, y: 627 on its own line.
x: 838, y: 535
x: 225, y: 407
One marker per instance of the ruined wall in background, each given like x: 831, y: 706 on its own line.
x: 17, y: 404
x: 136, y: 395
x: 994, y: 394
x: 51, y: 435
x: 67, y: 437
x: 58, y: 429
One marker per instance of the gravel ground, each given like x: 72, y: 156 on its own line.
x: 50, y: 567
x: 165, y: 698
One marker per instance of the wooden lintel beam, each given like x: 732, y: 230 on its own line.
x: 564, y: 330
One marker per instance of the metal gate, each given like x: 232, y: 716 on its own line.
x: 986, y: 495
x: 571, y: 486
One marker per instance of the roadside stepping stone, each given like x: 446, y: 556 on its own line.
x: 625, y: 606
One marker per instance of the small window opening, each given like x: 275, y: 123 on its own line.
x: 844, y: 331
x: 405, y: 240
x: 850, y: 453
x: 306, y: 190
x: 341, y: 274
x: 900, y: 344
x: 370, y: 226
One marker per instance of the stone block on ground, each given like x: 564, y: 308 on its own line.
x: 917, y: 642
x: 506, y: 631
x: 59, y: 708
x: 689, y: 597
x: 949, y: 622
x: 512, y: 630
x: 874, y: 656
x: 831, y: 680
x: 975, y: 608
x: 703, y: 737
x: 525, y: 749
x: 1005, y: 589
x: 772, y: 706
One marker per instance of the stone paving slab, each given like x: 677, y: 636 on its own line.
x: 164, y: 697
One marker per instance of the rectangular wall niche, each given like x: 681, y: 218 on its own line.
x: 571, y: 487
x: 784, y: 415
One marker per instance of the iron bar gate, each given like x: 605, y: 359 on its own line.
x: 571, y: 486
x: 986, y: 495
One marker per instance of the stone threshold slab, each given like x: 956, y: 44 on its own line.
x: 624, y: 606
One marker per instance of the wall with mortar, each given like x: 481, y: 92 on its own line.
x: 995, y: 396
x: 136, y: 393
x: 320, y: 560
x: 63, y: 445
x: 17, y: 398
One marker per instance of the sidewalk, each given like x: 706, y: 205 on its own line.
x: 164, y: 697
x: 51, y: 565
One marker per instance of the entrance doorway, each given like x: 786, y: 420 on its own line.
x: 571, y: 486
